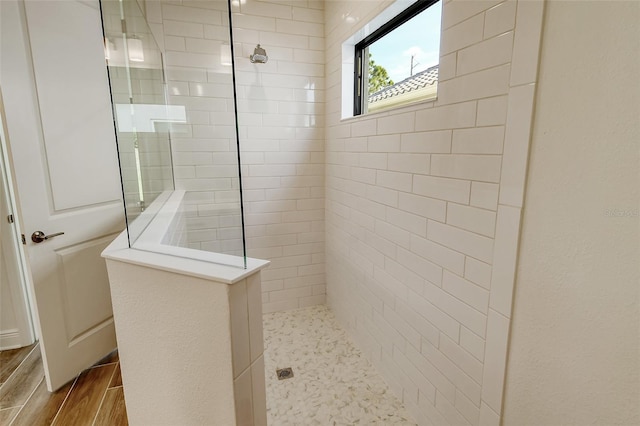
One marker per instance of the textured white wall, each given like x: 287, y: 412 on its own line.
x: 574, y: 356
x: 154, y: 332
x: 423, y: 210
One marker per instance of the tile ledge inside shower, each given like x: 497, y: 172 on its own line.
x: 151, y: 250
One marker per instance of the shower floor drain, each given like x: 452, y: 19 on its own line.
x: 284, y: 373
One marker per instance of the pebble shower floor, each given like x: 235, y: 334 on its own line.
x: 333, y: 383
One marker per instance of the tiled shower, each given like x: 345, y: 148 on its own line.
x: 280, y: 127
x: 478, y: 251
x: 419, y: 206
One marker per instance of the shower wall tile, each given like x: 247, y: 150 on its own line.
x: 243, y: 396
x: 281, y: 129
x: 240, y: 344
x: 282, y: 102
x: 259, y: 395
x: 184, y: 29
x: 198, y: 79
x: 192, y: 14
x: 472, y: 219
x: 254, y: 306
x: 500, y: 19
x: 417, y: 238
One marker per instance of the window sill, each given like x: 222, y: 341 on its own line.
x: 393, y: 110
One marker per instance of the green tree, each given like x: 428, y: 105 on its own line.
x: 378, y: 77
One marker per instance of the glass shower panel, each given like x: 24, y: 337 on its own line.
x: 206, y: 152
x: 176, y: 126
x: 139, y: 103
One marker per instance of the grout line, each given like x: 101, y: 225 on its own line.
x: 36, y: 346
x: 16, y: 415
x: 9, y: 408
x: 101, y: 365
x: 53, y: 421
x: 104, y: 395
x: 27, y: 401
x: 113, y: 374
x: 34, y: 389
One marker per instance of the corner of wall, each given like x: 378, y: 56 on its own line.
x: 573, y: 351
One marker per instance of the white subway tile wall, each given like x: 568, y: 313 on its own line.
x: 281, y: 107
x: 423, y: 209
x: 281, y: 128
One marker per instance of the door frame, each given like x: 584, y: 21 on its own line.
x: 27, y: 300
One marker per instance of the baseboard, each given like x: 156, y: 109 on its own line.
x: 11, y: 339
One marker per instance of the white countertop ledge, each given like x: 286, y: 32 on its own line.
x: 183, y: 261
x: 150, y: 250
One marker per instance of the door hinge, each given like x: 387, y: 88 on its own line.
x: 10, y: 218
x: 24, y: 239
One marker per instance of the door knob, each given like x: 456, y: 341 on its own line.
x: 39, y: 236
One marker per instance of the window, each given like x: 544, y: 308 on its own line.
x: 398, y: 63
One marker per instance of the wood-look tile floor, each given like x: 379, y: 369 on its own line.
x: 95, y: 397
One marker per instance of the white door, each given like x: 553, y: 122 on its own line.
x: 60, y: 130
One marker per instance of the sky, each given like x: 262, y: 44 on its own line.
x: 420, y: 37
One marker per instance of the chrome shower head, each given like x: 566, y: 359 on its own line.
x: 259, y: 56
